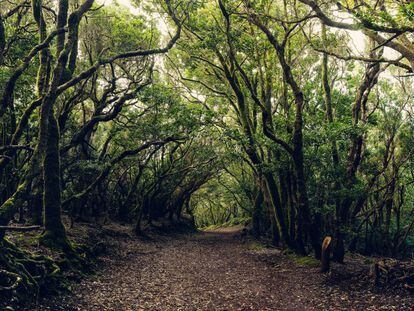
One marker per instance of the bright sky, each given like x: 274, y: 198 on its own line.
x: 161, y: 23
x: 357, y: 45
x: 128, y: 4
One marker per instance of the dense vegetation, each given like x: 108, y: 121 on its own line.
x: 255, y: 112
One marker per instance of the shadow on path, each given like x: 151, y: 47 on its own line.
x: 215, y: 270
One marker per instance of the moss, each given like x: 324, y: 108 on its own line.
x: 56, y: 241
x: 289, y: 252
x: 31, y: 271
x: 211, y: 227
x: 9, y: 208
x: 369, y: 261
x: 231, y: 223
x: 37, y: 274
x: 31, y: 240
x: 305, y: 261
x: 74, y: 258
x: 256, y: 245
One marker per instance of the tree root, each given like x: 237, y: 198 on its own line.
x: 24, y: 275
x: 73, y: 256
x: 9, y: 277
x: 394, y: 273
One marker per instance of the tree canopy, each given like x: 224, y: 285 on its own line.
x: 294, y: 118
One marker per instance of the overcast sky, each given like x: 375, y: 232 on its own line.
x: 357, y: 44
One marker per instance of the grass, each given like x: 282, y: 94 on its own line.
x: 304, y: 260
x: 230, y: 223
x: 255, y: 245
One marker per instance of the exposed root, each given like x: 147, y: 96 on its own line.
x: 11, y: 281
x: 74, y: 256
x: 23, y: 275
x: 391, y: 272
x: 57, y: 242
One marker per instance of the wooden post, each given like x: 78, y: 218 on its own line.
x: 326, y: 254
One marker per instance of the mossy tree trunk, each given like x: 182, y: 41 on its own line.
x: 51, y: 175
x: 304, y: 213
x: 48, y: 146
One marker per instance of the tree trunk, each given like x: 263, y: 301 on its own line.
x: 54, y: 228
x: 257, y: 214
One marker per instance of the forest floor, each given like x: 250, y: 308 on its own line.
x: 218, y: 270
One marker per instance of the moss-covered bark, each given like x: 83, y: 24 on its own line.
x: 54, y: 235
x: 10, y: 207
x: 23, y: 275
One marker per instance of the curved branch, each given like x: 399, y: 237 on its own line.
x: 10, y: 84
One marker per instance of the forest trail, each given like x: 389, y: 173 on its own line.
x: 215, y: 270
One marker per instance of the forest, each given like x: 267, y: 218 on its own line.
x: 228, y: 154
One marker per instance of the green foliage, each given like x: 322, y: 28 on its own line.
x: 214, y: 131
x: 306, y: 261
x: 117, y: 28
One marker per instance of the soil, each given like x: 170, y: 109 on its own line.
x: 220, y: 270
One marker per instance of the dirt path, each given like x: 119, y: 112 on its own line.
x: 213, y: 271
